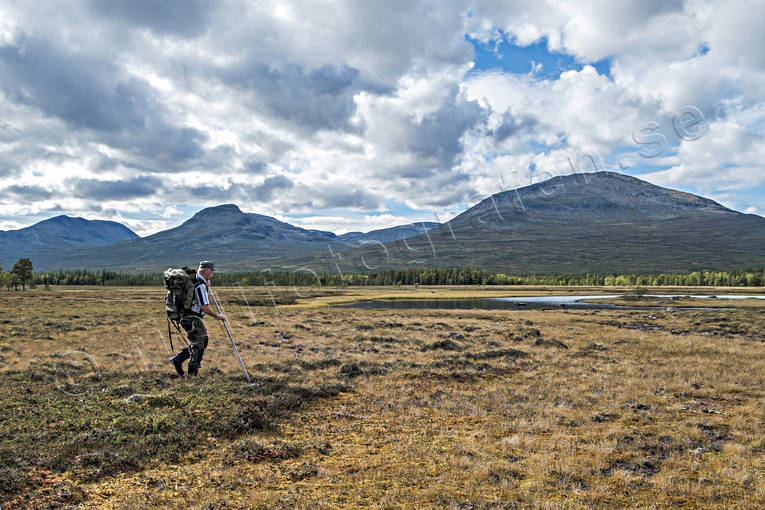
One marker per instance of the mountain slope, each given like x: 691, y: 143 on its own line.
x: 48, y: 237
x: 600, y: 222
x: 217, y: 233
x: 225, y: 234
x: 385, y: 235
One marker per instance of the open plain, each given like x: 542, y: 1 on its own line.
x: 351, y: 408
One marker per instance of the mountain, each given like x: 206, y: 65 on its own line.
x: 599, y: 222
x: 48, y: 237
x: 385, y: 235
x: 225, y: 234
x: 222, y: 233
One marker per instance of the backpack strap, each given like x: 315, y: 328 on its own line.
x: 197, y: 283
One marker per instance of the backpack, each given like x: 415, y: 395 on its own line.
x: 180, y: 285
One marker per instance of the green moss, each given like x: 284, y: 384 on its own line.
x: 98, y: 431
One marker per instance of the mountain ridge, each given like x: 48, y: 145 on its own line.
x: 601, y: 222
x: 60, y: 231
x: 596, y: 222
x: 222, y: 228
x: 617, y: 184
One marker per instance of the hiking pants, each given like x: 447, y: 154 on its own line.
x: 197, y: 333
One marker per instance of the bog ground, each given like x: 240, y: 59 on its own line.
x: 352, y: 408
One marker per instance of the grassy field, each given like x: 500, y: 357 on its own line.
x: 353, y: 408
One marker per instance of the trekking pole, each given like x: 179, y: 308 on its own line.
x: 225, y: 325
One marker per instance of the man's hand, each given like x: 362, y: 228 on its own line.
x: 221, y: 317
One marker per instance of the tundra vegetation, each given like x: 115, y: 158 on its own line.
x: 379, y: 408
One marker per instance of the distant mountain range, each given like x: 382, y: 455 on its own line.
x: 223, y: 233
x: 48, y: 237
x: 600, y: 222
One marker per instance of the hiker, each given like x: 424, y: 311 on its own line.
x: 193, y: 324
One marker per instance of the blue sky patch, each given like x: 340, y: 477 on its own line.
x: 504, y: 55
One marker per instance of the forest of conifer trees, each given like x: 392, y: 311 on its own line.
x: 436, y: 276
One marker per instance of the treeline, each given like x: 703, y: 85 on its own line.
x: 85, y: 277
x: 442, y: 276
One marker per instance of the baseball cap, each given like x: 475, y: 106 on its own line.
x: 206, y: 264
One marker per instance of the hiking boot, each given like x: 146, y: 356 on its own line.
x: 193, y: 370
x: 178, y: 360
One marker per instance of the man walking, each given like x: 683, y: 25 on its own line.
x: 194, y: 325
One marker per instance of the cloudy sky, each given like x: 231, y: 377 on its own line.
x: 356, y: 115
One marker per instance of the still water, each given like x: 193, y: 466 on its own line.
x: 528, y: 302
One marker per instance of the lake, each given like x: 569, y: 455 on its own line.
x: 528, y: 302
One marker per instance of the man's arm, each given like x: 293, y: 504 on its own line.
x: 204, y: 303
x: 209, y: 311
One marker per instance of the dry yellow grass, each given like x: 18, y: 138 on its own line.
x: 444, y: 409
